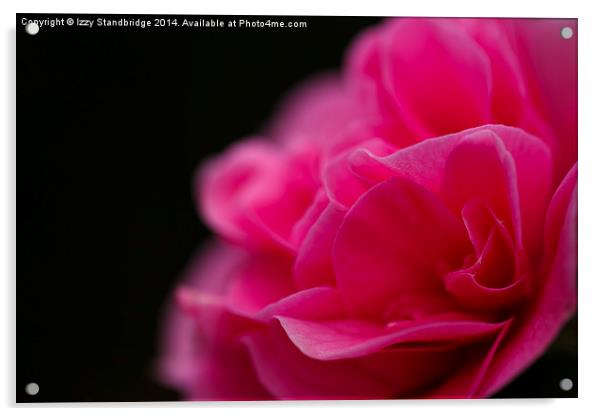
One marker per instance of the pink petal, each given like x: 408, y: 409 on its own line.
x: 555, y: 217
x: 316, y: 110
x: 411, y: 73
x: 313, y: 265
x: 234, y: 185
x: 212, y: 268
x: 509, y: 95
x: 364, y: 78
x: 206, y: 360
x: 214, y: 319
x: 260, y: 281
x: 296, y: 190
x: 226, y: 373
x: 553, y: 304
x: 550, y: 62
x: 496, y: 280
x: 497, y: 266
x: 209, y: 272
x: 340, y: 181
x: 425, y: 164
x: 177, y: 362
x: 210, y: 370
x: 422, y: 163
x: 357, y: 133
x: 466, y: 287
x: 533, y: 164
x: 465, y: 382
x: 335, y: 340
x: 289, y: 374
x: 480, y: 167
x: 317, y: 303
x: 431, y: 66
x: 397, y: 238
x: 311, y: 215
x: 479, y: 221
x: 242, y: 193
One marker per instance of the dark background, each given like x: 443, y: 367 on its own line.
x: 111, y: 124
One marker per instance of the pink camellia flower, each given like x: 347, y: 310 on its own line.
x: 405, y: 231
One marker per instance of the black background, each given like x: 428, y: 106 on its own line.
x: 111, y: 124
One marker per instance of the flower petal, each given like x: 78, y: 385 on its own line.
x: 289, y: 374
x: 552, y: 306
x: 259, y: 281
x: 316, y: 303
x: 335, y: 340
x: 255, y: 193
x: 425, y: 163
x: 550, y: 62
x: 396, y: 239
x: 313, y: 264
x: 480, y: 167
x: 431, y: 66
x: 316, y: 110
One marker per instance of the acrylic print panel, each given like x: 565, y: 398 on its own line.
x: 292, y: 207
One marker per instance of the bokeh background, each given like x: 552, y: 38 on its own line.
x: 111, y: 124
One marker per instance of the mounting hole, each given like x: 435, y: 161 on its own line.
x: 32, y: 389
x: 32, y: 28
x: 566, y: 32
x: 566, y: 384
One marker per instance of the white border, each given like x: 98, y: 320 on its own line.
x: 590, y: 207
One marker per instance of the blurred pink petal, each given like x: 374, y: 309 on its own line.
x: 550, y: 62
